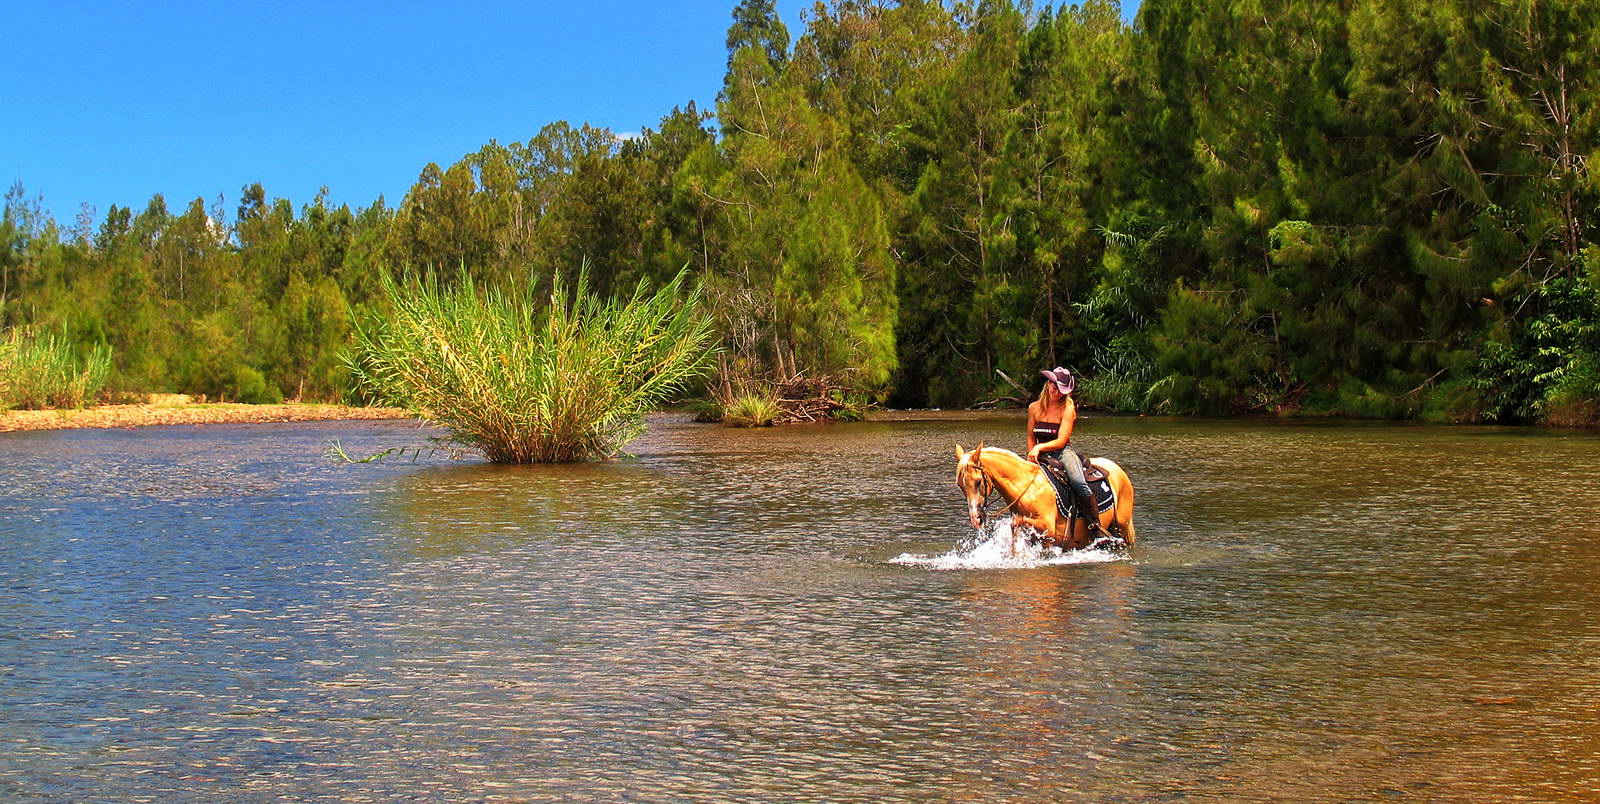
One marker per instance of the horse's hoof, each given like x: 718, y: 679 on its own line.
x: 1111, y: 543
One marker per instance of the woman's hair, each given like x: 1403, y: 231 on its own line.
x: 1044, y: 391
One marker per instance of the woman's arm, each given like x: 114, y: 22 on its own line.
x: 1069, y: 420
x: 1033, y: 416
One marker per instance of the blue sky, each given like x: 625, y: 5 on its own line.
x: 111, y: 102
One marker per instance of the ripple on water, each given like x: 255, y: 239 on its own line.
x: 1311, y: 612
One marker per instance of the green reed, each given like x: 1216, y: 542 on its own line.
x: 751, y: 410
x: 44, y: 371
x: 525, y: 382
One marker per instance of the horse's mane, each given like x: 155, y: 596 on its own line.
x: 986, y: 451
x: 1002, y: 450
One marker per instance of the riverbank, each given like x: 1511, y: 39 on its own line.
x: 176, y: 409
x: 179, y: 410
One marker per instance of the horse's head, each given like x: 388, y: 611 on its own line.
x: 973, y: 482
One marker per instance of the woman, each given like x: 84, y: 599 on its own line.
x: 1050, y: 421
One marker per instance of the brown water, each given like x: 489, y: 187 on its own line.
x: 1313, y: 611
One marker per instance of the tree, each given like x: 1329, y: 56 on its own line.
x: 967, y: 317
x: 756, y: 25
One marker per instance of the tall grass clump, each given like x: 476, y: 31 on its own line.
x: 524, y: 382
x: 43, y: 371
x: 751, y: 410
x: 743, y: 398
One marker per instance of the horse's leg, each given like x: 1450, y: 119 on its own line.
x: 1058, y: 532
x: 1126, y: 526
x: 1040, y: 528
x: 1077, y: 530
x: 1073, y: 533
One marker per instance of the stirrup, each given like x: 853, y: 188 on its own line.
x: 1101, y: 537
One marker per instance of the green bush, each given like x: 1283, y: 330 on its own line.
x: 1367, y: 402
x: 1574, y: 401
x: 751, y: 410
x: 1355, y: 399
x: 1544, y: 367
x: 523, y: 382
x: 706, y: 411
x: 1210, y: 356
x: 43, y: 371
x: 251, y: 386
x: 1455, y: 402
x: 854, y: 406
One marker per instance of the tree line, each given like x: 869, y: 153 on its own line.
x: 1358, y: 207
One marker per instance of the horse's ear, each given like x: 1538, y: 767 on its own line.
x: 960, y: 453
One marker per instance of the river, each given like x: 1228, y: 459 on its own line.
x: 1314, y: 610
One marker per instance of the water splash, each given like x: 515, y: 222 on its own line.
x: 992, y: 548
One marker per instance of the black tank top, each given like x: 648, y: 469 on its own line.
x: 1046, y: 431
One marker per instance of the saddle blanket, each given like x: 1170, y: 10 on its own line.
x: 1099, y: 486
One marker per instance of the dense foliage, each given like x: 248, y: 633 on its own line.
x: 40, y: 370
x: 523, y: 382
x: 1358, y: 207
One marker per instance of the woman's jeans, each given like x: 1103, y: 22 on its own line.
x: 1072, y: 467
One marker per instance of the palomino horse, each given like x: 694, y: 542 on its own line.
x: 1030, y: 497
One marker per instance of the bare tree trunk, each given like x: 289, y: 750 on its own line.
x: 1571, y: 164
x: 1050, y: 311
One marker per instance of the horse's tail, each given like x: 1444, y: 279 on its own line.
x: 1122, y: 489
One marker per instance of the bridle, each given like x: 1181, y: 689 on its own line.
x: 990, y: 488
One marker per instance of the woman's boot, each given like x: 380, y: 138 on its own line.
x: 1090, y: 513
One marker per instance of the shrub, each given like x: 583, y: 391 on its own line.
x: 1210, y: 353
x: 1574, y: 401
x: 706, y: 411
x: 43, y: 371
x: 853, y: 406
x: 251, y: 386
x: 570, y: 382
x: 751, y: 410
x: 743, y: 395
x: 1545, y: 366
x: 1454, y: 402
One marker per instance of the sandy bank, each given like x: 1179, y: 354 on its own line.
x: 185, y: 413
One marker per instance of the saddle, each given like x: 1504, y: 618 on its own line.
x: 1099, y: 485
x: 1092, y: 473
